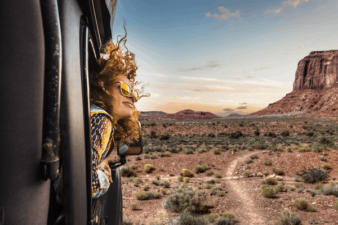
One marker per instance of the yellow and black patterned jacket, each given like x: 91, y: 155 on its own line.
x: 102, y: 132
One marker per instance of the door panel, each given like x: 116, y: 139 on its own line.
x: 24, y: 196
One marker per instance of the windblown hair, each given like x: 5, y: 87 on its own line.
x: 116, y: 61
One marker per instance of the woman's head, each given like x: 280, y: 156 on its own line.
x: 115, y: 66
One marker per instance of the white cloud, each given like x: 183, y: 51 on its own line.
x: 226, y: 14
x: 278, y: 10
x: 293, y: 3
x: 207, y: 14
x: 287, y: 3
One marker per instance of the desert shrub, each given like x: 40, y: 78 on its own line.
x: 132, y: 166
x: 210, y: 173
x: 180, y: 178
x: 278, y: 171
x: 186, y: 173
x: 217, y: 151
x: 146, y: 156
x: 164, y: 183
x: 188, y: 151
x: 313, y: 175
x: 210, y: 181
x: 224, y: 221
x: 288, y: 218
x: 138, y: 158
x: 184, y: 201
x: 153, y: 156
x: 141, y: 195
x: 250, y: 148
x: 246, y: 173
x: 325, y: 141
x: 200, y: 150
x: 260, y: 145
x: 200, y: 168
x: 125, y: 171
x: 309, y: 134
x: 271, y: 181
x: 271, y: 134
x: 292, y: 188
x: 331, y: 189
x: 304, y: 149
x: 165, y: 137
x: 228, y: 215
x: 265, y: 173
x: 248, y: 161
x: 148, y: 168
x: 332, y: 182
x: 208, y: 186
x: 318, y: 185
x: 212, y: 217
x: 257, y: 132
x: 166, y: 154
x: 220, y: 193
x: 211, y: 135
x: 188, y: 219
x: 217, y: 180
x: 137, y: 180
x: 156, y: 182
x: 280, y: 148
x: 186, y: 179
x: 153, y: 134
x: 254, y: 157
x: 289, y: 149
x: 217, y: 175
x: 267, y: 192
x: 163, y: 191
x: 267, y: 162
x: 236, y: 135
x: 311, y: 208
x: 326, y: 166
x: 279, y: 188
x: 145, y: 187
x: 285, y: 133
x: 301, y: 203
x: 298, y: 185
x: 133, y: 205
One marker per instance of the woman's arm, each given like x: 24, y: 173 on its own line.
x: 101, y: 127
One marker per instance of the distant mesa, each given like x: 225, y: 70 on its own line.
x: 234, y: 115
x: 315, y: 89
x: 186, y: 114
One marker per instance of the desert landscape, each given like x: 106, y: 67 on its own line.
x: 276, y: 166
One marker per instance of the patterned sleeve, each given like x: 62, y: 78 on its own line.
x: 101, y: 127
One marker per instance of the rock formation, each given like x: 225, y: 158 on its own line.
x: 186, y: 114
x: 315, y: 89
x: 234, y: 115
x: 317, y: 71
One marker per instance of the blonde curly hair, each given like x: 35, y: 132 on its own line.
x: 114, y: 62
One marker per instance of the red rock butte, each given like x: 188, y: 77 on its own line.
x: 315, y: 89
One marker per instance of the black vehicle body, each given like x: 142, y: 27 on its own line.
x: 46, y: 50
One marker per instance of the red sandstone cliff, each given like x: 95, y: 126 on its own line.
x: 315, y: 89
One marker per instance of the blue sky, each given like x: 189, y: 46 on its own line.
x: 222, y: 56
